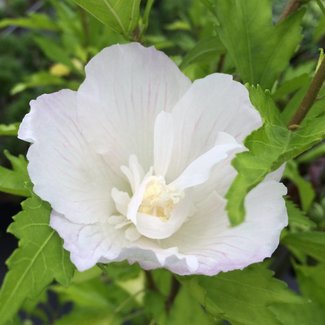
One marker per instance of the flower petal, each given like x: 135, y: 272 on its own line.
x: 64, y: 169
x: 200, y: 169
x: 220, y: 247
x: 88, y: 244
x: 163, y: 142
x: 126, y: 86
x: 213, y: 104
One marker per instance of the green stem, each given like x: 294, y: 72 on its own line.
x: 310, y: 97
x: 290, y: 8
x: 151, y: 285
x: 174, y: 289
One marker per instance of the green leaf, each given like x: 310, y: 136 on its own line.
x: 297, y: 218
x: 38, y: 79
x: 9, y: 129
x: 186, y: 310
x: 99, y: 299
x: 306, y: 191
x: 34, y: 21
x: 252, y: 42
x: 311, y: 243
x: 242, y: 297
x: 120, y: 15
x: 203, y: 51
x: 53, y: 51
x: 39, y: 259
x: 311, y: 282
x: 15, y: 180
x: 308, y: 313
x: 269, y: 147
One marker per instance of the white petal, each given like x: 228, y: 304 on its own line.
x: 121, y: 200
x: 126, y: 86
x: 200, y: 169
x: 212, y: 105
x: 87, y: 244
x: 163, y: 142
x: 64, y: 169
x: 218, y: 246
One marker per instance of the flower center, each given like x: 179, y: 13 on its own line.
x: 159, y: 199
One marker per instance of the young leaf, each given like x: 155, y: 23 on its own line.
x: 242, y: 297
x: 269, y: 147
x: 311, y: 243
x: 39, y: 259
x: 252, y: 42
x: 10, y: 129
x: 14, y: 181
x: 121, y: 16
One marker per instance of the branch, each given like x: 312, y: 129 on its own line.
x: 290, y: 8
x: 310, y: 96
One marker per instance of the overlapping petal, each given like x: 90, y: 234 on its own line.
x: 136, y: 119
x: 63, y: 167
x: 126, y: 87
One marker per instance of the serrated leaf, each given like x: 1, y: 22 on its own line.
x: 15, y: 180
x: 204, y: 50
x: 253, y: 43
x: 9, y: 129
x: 39, y: 259
x: 120, y: 15
x: 242, y: 297
x: 269, y: 147
x: 297, y: 218
x: 311, y: 243
x: 306, y: 191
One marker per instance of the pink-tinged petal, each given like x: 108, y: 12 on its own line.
x: 126, y: 87
x: 90, y: 243
x: 213, y: 104
x: 220, y: 247
x: 64, y: 169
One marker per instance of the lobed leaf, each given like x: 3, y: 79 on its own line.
x: 243, y: 297
x: 253, y: 43
x: 269, y: 148
x: 39, y: 259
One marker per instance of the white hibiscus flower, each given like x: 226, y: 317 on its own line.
x: 136, y: 163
